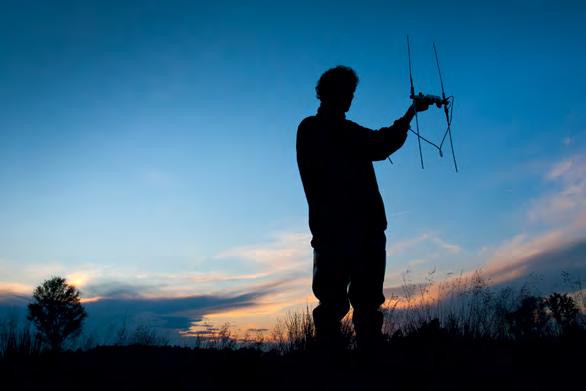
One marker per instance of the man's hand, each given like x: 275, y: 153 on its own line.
x: 422, y: 102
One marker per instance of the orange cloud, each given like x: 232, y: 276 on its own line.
x: 15, y: 288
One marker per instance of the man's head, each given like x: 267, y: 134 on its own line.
x: 335, y: 88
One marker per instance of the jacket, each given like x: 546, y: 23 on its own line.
x: 334, y: 157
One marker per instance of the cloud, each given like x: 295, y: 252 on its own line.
x: 182, y: 311
x: 542, y: 272
x: 566, y: 202
x: 560, y: 215
x: 418, y: 241
x: 197, y: 315
x: 283, y: 256
x: 555, y: 239
x: 120, y: 290
x: 99, y: 281
x: 547, y: 265
x: 173, y: 314
x: 419, y: 253
x: 283, y: 251
x: 449, y: 247
x: 8, y: 289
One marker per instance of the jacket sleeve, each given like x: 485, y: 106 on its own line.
x: 380, y: 144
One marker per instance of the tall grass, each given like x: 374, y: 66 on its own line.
x: 470, y: 307
x: 18, y: 339
x: 461, y: 306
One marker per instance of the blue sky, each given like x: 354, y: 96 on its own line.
x: 147, y: 148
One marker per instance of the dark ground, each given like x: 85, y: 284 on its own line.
x: 405, y: 364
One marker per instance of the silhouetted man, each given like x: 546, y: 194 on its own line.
x: 346, y: 211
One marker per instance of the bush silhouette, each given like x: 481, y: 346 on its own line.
x: 530, y: 319
x: 564, y: 311
x: 56, y: 312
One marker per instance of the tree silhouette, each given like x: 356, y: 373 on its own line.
x: 56, y: 312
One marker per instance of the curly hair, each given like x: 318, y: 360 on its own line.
x: 336, y: 81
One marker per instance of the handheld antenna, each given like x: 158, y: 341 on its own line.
x: 447, y: 111
x: 413, y: 103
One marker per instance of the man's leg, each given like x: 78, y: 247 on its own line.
x: 330, y: 286
x: 366, y: 291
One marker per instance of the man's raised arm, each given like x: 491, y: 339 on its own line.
x: 380, y: 144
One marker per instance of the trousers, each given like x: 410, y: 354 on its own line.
x: 356, y: 278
